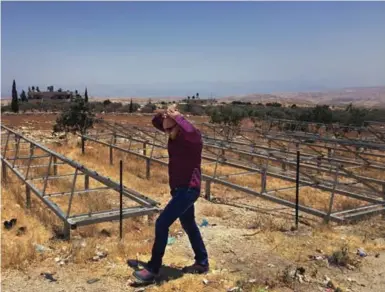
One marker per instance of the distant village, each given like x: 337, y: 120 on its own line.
x: 34, y: 93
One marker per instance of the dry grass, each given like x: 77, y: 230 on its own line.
x: 212, y: 210
x: 298, y: 247
x: 19, y: 251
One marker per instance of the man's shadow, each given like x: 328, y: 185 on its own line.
x: 166, y: 273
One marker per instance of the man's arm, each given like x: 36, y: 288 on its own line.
x: 191, y: 133
x: 157, y: 121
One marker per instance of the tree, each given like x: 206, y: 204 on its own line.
x: 86, y: 96
x: 193, y: 97
x: 37, y: 89
x: 33, y: 88
x: 29, y: 89
x: 50, y: 88
x: 23, y: 96
x: 107, y: 102
x: 15, y: 100
x: 78, y: 118
x: 197, y: 95
x: 131, y: 109
x: 188, y: 97
x: 60, y: 90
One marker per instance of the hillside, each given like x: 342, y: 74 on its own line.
x: 360, y: 96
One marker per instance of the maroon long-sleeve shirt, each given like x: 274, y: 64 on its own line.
x: 185, y: 154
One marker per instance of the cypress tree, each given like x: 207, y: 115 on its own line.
x: 131, y: 109
x: 15, y: 100
x: 86, y: 96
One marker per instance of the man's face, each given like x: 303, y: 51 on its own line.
x: 170, y: 127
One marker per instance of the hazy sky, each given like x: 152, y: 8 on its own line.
x: 180, y: 48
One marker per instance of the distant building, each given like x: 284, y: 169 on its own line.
x: 50, y: 95
x: 200, y: 101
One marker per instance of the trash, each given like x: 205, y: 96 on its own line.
x: 252, y: 281
x: 361, y: 252
x: 204, y: 223
x: 270, y: 265
x: 205, y: 281
x: 91, y: 281
x: 101, y: 254
x: 49, y: 277
x: 234, y: 289
x: 9, y: 224
x: 171, y: 240
x: 40, y: 248
x: 21, y: 231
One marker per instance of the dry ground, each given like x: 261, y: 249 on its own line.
x: 249, y: 249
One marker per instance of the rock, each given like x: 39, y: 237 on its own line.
x: 101, y: 254
x: 270, y: 265
x: 234, y: 289
x: 320, y: 251
x: 91, y: 281
x: 57, y: 259
x: 377, y: 255
x: 105, y: 232
x: 205, y: 281
x: 331, y: 284
x: 21, y: 231
x: 350, y: 267
x: 300, y: 270
x: 48, y: 276
x: 300, y: 278
x: 252, y: 280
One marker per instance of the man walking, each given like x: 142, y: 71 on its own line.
x: 184, y: 149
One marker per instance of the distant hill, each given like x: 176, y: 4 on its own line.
x: 359, y: 96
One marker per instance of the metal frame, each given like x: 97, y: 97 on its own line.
x: 145, y: 205
x: 366, y: 192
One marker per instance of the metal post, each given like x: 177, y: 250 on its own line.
x: 148, y: 168
x: 145, y: 148
x: 208, y: 190
x: 327, y: 219
x: 297, y: 191
x: 54, y: 165
x: 28, y: 196
x: 72, y: 192
x: 263, y: 181
x: 4, y: 171
x: 46, y: 177
x: 121, y: 200
x: 383, y: 196
x: 67, y: 231
x: 17, y: 151
x: 83, y: 146
x: 111, y: 156
x: 86, y: 181
x: 31, y: 149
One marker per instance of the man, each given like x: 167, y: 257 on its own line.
x: 185, y: 149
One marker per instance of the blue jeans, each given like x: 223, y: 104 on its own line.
x: 180, y: 206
